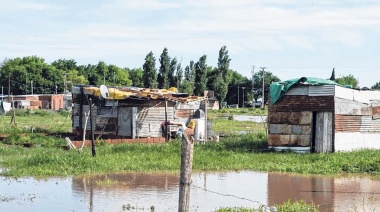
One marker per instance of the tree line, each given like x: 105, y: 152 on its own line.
x: 32, y: 75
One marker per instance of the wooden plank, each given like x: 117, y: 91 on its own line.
x: 323, y: 133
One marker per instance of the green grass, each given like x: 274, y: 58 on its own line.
x: 227, y: 112
x: 299, y: 206
x: 234, y: 152
x: 244, y: 152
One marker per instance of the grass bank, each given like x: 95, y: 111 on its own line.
x: 242, y: 152
x: 43, y: 129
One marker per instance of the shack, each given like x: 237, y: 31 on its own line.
x: 317, y: 115
x: 131, y: 112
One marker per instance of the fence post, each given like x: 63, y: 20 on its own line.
x: 187, y: 148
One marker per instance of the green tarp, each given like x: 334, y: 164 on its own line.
x: 277, y: 89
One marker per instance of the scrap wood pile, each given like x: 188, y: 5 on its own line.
x: 170, y: 94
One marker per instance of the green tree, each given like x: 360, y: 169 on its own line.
x: 333, y: 75
x: 65, y: 65
x: 136, y: 76
x: 150, y: 71
x: 163, y: 72
x: 118, y: 76
x: 348, y: 80
x: 29, y: 73
x: 188, y: 83
x: 172, y: 82
x: 221, y: 82
x: 179, y: 76
x: 101, y: 73
x: 200, y: 76
x: 74, y: 78
x: 90, y: 73
x: 376, y: 86
x: 234, y: 88
x: 258, y: 82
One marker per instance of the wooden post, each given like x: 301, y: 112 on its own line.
x: 92, y: 131
x: 166, y: 121
x: 81, y: 111
x: 186, y: 168
x: 13, y: 120
x: 206, y: 133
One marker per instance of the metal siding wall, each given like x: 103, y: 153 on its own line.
x: 149, y: 120
x: 323, y: 90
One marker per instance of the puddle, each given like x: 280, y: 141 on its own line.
x: 209, y: 191
x: 259, y: 119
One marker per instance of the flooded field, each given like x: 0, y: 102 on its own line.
x: 209, y: 191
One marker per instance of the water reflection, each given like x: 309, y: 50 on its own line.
x: 209, y: 191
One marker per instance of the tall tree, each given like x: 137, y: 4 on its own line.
x: 376, y: 86
x: 200, y: 76
x: 179, y: 76
x: 188, y: 83
x: 150, y: 71
x: 163, y: 72
x: 136, y: 76
x: 171, y: 74
x: 102, y: 73
x: 333, y: 75
x: 348, y: 80
x: 220, y: 85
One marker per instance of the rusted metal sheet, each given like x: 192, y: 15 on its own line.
x: 323, y: 90
x: 375, y: 106
x: 293, y: 118
x: 349, y: 107
x: 300, y: 140
x: 183, y: 113
x: 303, y: 103
x: 347, y: 123
x: 278, y: 140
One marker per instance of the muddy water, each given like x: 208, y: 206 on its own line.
x: 209, y: 191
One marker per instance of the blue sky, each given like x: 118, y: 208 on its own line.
x: 292, y: 38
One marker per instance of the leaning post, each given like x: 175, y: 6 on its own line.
x: 186, y: 168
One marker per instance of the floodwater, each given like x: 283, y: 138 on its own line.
x: 209, y: 191
x: 259, y: 119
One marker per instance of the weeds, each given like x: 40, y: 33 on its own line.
x: 298, y: 206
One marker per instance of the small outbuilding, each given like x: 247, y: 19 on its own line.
x: 317, y: 115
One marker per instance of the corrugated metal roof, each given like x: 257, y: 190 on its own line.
x: 323, y: 90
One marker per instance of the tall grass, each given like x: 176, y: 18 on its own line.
x: 298, y: 206
x: 243, y: 152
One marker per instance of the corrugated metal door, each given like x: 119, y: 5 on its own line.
x: 125, y: 121
x: 323, y: 132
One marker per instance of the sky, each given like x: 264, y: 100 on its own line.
x: 291, y: 38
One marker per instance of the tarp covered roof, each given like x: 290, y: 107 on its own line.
x: 277, y: 89
x: 127, y: 92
